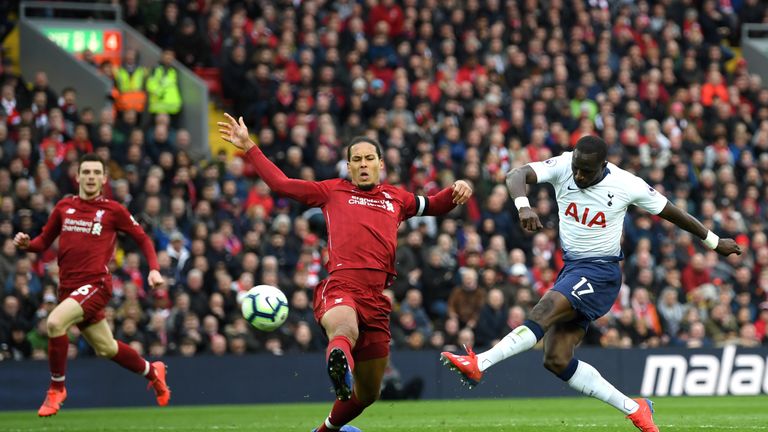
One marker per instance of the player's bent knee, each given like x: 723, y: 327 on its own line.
x: 106, y: 352
x: 349, y: 331
x: 556, y: 364
x: 368, y: 398
x: 55, y: 327
x: 107, y: 349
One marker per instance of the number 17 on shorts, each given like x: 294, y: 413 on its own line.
x: 583, y: 287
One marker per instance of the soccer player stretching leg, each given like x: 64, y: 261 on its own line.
x: 593, y: 196
x: 362, y: 216
x: 87, y: 227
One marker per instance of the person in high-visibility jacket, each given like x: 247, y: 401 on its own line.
x: 129, y: 81
x: 163, y: 87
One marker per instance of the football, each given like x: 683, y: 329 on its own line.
x: 265, y: 307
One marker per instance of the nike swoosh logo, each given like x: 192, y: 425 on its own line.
x: 569, y: 188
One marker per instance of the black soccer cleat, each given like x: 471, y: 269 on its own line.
x: 341, y: 376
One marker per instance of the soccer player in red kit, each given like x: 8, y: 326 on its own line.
x: 87, y: 227
x: 362, y: 216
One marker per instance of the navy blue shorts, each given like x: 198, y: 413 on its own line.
x: 591, y: 285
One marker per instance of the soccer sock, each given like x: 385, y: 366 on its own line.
x: 57, y: 360
x: 128, y: 358
x: 344, y: 344
x: 522, y: 338
x: 582, y: 377
x: 342, y: 413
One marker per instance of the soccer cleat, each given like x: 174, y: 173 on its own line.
x: 465, y: 365
x: 162, y: 391
x: 52, y: 403
x: 341, y: 377
x: 643, y: 417
x: 345, y: 428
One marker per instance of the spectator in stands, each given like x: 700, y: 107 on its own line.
x: 130, y: 81
x: 466, y: 299
x: 163, y: 89
x: 492, y: 322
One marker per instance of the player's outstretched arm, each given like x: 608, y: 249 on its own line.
x: 21, y: 240
x: 235, y: 132
x: 462, y: 191
x: 516, y: 181
x: 306, y: 192
x: 446, y: 200
x: 681, y: 218
x: 51, y: 230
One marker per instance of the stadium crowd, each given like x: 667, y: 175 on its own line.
x: 452, y: 90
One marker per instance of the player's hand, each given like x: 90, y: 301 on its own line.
x: 155, y: 279
x: 21, y: 240
x: 529, y: 220
x: 462, y: 191
x: 235, y: 132
x: 726, y: 246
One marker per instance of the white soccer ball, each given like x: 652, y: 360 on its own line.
x: 265, y: 307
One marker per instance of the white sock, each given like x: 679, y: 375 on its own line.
x: 518, y: 340
x: 329, y: 425
x: 588, y: 381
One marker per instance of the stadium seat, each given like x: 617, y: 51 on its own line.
x: 212, y: 78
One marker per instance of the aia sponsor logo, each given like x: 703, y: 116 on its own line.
x: 586, y: 216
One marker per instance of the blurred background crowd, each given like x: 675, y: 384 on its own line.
x: 452, y: 89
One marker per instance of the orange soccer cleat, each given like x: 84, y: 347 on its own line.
x: 162, y: 391
x: 643, y: 417
x: 52, y: 403
x: 465, y: 365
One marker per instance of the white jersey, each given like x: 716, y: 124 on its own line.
x: 592, y: 219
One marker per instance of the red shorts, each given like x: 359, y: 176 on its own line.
x: 362, y: 290
x: 92, y: 297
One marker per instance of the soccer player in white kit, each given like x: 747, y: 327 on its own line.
x: 593, y: 196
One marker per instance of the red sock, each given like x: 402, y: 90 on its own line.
x: 128, y: 358
x: 343, y: 343
x: 343, y: 413
x: 57, y: 360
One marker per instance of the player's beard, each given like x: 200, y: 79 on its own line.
x: 366, y: 187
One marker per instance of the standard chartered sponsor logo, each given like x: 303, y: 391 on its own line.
x: 378, y: 203
x: 705, y: 374
x: 76, y: 225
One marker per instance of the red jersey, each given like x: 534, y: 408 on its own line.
x: 88, y: 233
x: 362, y: 225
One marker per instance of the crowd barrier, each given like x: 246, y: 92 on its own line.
x: 266, y: 378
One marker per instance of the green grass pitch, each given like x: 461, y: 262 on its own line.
x: 518, y: 415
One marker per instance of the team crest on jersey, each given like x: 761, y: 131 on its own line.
x: 610, y: 199
x: 70, y: 211
x: 96, y: 230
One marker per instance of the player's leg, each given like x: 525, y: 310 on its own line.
x: 552, y: 308
x: 340, y: 324
x: 100, y: 337
x: 368, y: 377
x: 62, y: 317
x: 559, y: 345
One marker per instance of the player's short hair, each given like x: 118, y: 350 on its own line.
x: 591, y: 144
x: 363, y: 139
x: 91, y: 157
